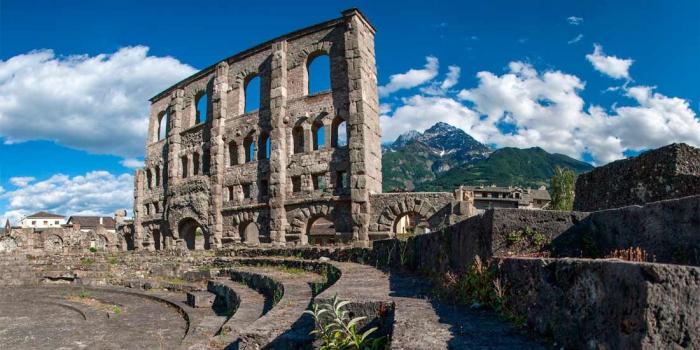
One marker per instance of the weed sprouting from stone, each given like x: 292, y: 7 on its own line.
x: 117, y: 310
x: 336, y: 330
x: 87, y: 262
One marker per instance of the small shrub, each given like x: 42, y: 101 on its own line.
x: 84, y: 294
x: 93, y: 250
x: 112, y: 260
x: 116, y: 309
x: 337, y: 331
x: 539, y: 239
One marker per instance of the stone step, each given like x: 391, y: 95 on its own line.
x: 245, y: 304
x: 285, y: 325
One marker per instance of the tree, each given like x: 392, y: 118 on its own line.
x: 562, y: 184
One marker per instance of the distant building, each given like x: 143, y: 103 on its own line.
x: 88, y: 223
x: 487, y: 197
x: 43, y: 220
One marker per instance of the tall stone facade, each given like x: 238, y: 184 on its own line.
x: 261, y: 176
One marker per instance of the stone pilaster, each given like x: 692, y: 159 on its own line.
x: 363, y: 122
x: 217, y: 151
x: 138, y: 206
x: 278, y: 143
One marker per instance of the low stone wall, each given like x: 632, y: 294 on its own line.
x: 667, y: 231
x: 606, y: 304
x: 669, y: 172
x: 498, y: 232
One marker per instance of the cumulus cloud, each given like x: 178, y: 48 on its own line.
x: 525, y: 108
x: 21, y: 181
x: 132, y: 163
x: 612, y: 66
x: 573, y: 20
x: 95, y: 193
x: 94, y: 103
x: 412, y: 78
x: 575, y: 40
x: 441, y: 88
x: 421, y: 112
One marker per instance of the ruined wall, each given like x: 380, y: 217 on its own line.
x: 199, y: 172
x: 61, y: 240
x: 432, y: 208
x: 669, y: 172
x: 604, y: 304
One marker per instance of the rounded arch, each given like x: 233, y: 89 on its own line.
x: 163, y: 119
x: 192, y: 233
x: 321, y: 230
x: 298, y: 137
x: 300, y: 218
x: 339, y: 133
x: 392, y: 213
x: 201, y: 107
x: 317, y: 73
x: 410, y: 223
x: 318, y: 131
x: 315, y: 49
x: 264, y: 145
x: 252, y: 97
x: 250, y: 232
x: 53, y: 243
x: 249, y: 147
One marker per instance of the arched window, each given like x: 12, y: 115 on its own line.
x: 264, y: 146
x: 318, y: 74
x: 298, y: 135
x: 195, y: 163
x: 318, y: 131
x: 232, y: 153
x: 157, y: 173
x: 163, y: 125
x: 339, y: 133
x: 249, y: 147
x: 149, y: 179
x: 202, y: 102
x: 252, y: 94
x: 183, y: 162
x: 321, y: 231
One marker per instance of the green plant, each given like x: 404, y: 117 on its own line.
x: 563, y: 183
x: 539, y: 239
x: 277, y: 296
x: 87, y: 262
x: 514, y: 237
x: 93, y: 250
x: 337, y: 331
x: 116, y: 309
x: 112, y: 260
x: 84, y: 294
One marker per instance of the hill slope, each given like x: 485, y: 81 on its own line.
x: 417, y: 157
x: 531, y: 167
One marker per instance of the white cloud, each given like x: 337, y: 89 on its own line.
x: 441, y: 88
x: 527, y: 108
x: 132, y: 163
x: 21, y: 181
x: 573, y: 20
x: 421, y: 112
x: 385, y: 108
x: 575, y: 40
x: 412, y: 78
x: 95, y: 193
x: 612, y: 66
x: 94, y: 103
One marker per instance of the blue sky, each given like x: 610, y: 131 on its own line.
x: 521, y: 67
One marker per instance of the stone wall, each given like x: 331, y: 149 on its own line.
x: 606, y: 304
x: 61, y: 240
x: 669, y: 172
x: 667, y: 231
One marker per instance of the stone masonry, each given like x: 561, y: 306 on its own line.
x: 261, y: 176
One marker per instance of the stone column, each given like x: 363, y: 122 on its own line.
x: 308, y: 138
x: 173, y: 144
x: 138, y: 205
x: 217, y: 153
x: 363, y: 121
x: 278, y: 144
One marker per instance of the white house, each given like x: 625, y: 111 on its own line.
x: 42, y: 220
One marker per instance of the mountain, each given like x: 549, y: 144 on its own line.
x: 415, y: 158
x: 531, y: 167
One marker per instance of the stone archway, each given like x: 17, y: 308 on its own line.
x: 410, y: 223
x: 393, y: 212
x: 157, y: 240
x: 53, y: 243
x: 321, y: 230
x: 191, y: 232
x: 250, y: 233
x: 300, y: 218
